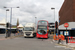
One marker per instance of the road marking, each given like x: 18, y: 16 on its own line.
x: 65, y: 47
x: 68, y: 48
x: 59, y: 46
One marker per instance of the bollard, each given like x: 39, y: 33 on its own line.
x: 66, y: 40
x: 14, y: 34
x: 18, y: 33
x: 6, y: 35
x: 59, y: 41
x: 21, y: 33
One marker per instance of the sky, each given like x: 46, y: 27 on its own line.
x: 29, y: 9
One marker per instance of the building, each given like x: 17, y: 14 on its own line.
x: 67, y: 12
x: 51, y: 28
x: 13, y: 26
x: 3, y: 25
x: 3, y: 22
x: 20, y: 27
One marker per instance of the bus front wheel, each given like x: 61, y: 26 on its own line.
x: 24, y: 36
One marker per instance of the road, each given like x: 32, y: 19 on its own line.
x: 21, y: 43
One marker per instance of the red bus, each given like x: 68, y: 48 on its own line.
x: 42, y: 29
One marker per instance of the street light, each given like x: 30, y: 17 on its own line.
x: 11, y: 16
x: 54, y: 13
x: 18, y: 7
x: 35, y: 20
x: 6, y: 24
x: 54, y: 18
x: 12, y: 7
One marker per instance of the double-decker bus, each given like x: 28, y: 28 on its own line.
x: 42, y: 29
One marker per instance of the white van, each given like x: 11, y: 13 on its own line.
x: 29, y: 30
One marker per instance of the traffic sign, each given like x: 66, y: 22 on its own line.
x: 66, y: 25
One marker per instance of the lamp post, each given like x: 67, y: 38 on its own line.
x: 35, y: 20
x: 10, y: 17
x: 6, y: 24
x: 54, y: 18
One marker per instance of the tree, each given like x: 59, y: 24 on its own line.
x: 17, y: 22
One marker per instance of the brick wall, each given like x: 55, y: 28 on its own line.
x: 67, y: 12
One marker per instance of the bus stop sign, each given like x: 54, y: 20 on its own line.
x: 66, y: 25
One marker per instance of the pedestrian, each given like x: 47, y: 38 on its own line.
x: 61, y: 38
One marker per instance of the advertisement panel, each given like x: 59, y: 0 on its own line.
x: 66, y: 33
x: 61, y: 32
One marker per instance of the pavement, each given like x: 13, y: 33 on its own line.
x: 2, y: 36
x: 63, y: 43
x: 72, y: 45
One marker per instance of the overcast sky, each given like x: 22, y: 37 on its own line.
x: 29, y: 9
